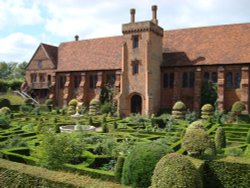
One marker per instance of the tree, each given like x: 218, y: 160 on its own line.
x: 208, y: 93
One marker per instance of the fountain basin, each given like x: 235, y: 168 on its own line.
x: 72, y: 128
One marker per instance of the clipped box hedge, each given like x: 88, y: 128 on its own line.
x: 19, y: 175
x: 228, y: 172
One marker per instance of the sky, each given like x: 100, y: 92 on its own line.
x: 24, y: 24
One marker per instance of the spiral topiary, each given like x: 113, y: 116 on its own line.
x: 179, y: 110
x: 238, y: 107
x: 118, y: 168
x: 176, y: 170
x: 94, y: 107
x: 207, y: 111
x: 140, y: 163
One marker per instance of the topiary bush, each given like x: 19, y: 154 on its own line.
x: 196, y: 140
x: 73, y: 103
x: 176, y: 170
x: 5, y: 111
x: 238, y: 107
x: 94, y: 107
x: 4, y: 103
x: 220, y: 139
x: 207, y: 111
x: 139, y: 165
x: 118, y: 168
x: 179, y: 110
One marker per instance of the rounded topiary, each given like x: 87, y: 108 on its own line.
x: 196, y: 125
x: 139, y: 165
x: 73, y: 103
x: 94, y: 107
x: 5, y: 110
x: 220, y: 139
x: 118, y: 168
x: 49, y: 102
x: 4, y: 103
x: 176, y: 170
x: 207, y: 111
x: 196, y: 141
x: 179, y: 110
x: 238, y: 107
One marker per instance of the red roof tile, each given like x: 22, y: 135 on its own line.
x: 93, y: 54
x: 226, y: 44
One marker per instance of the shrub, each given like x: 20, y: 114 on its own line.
x: 73, y: 103
x: 238, y: 107
x: 90, y: 121
x: 118, y: 168
x: 207, y: 111
x: 49, y: 104
x: 139, y: 165
x: 56, y: 149
x: 233, y: 151
x: 248, y: 137
x: 220, y: 139
x: 25, y: 108
x: 179, y: 110
x: 105, y: 128
x: 196, y: 141
x: 197, y: 125
x: 28, y: 101
x: 115, y: 126
x: 106, y: 107
x: 191, y: 116
x: 4, y: 103
x: 4, y: 122
x: 94, y: 106
x: 5, y: 110
x: 176, y: 170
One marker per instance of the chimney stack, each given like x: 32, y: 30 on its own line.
x: 154, y: 14
x: 132, y: 15
x: 76, y: 38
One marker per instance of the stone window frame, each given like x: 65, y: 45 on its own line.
x: 33, y: 77
x: 135, y: 41
x: 42, y: 77
x: 210, y: 75
x: 188, y: 79
x: 135, y: 67
x: 39, y: 64
x: 110, y: 78
x: 77, y: 81
x: 62, y: 81
x: 168, y: 80
x: 232, y: 79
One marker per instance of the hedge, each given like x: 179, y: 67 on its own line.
x: 19, y: 175
x: 12, y: 84
x: 228, y: 172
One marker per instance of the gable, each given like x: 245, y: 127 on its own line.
x: 41, y: 60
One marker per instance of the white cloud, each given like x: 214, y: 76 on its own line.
x: 17, y: 47
x: 18, y: 12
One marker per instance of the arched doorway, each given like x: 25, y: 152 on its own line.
x: 136, y: 104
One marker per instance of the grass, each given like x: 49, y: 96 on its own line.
x: 13, y: 98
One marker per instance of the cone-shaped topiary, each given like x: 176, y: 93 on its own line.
x: 176, y: 170
x: 179, y: 110
x: 207, y: 111
x: 220, y: 139
x: 73, y: 103
x: 94, y: 107
x: 238, y: 107
x: 140, y: 163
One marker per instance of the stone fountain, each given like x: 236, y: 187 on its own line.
x: 77, y: 126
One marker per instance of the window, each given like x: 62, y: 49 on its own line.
x: 62, y: 80
x: 33, y: 77
x: 42, y: 77
x: 135, y: 41
x: 168, y: 80
x: 110, y: 79
x: 188, y: 79
x: 77, y: 80
x: 206, y: 76
x: 40, y: 64
x: 185, y: 80
x: 214, y: 77
x: 92, y: 81
x: 165, y: 80
x: 229, y: 80
x: 237, y: 79
x: 135, y: 66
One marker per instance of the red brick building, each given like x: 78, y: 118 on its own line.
x: 151, y: 68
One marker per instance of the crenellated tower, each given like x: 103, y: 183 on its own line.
x: 142, y: 57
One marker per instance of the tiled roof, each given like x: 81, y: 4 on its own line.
x: 226, y: 44
x: 51, y: 51
x: 93, y: 54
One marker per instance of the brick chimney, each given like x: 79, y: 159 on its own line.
x: 132, y: 15
x: 154, y: 14
x: 76, y: 38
